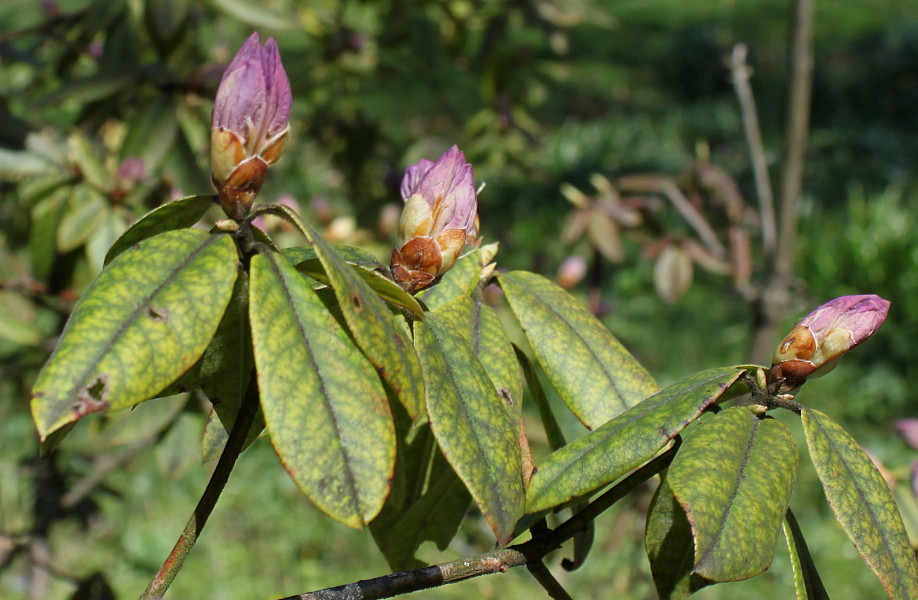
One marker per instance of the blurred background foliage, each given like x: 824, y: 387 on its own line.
x: 104, y: 114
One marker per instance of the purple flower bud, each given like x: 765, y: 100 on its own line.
x: 249, y: 124
x: 439, y: 218
x: 813, y: 347
x: 908, y: 429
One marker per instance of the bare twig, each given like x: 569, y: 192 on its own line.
x: 529, y: 553
x: 740, y: 73
x: 104, y: 466
x: 775, y: 298
x: 234, y: 444
x: 547, y: 580
x: 694, y: 218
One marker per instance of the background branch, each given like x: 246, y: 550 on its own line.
x: 775, y: 297
x: 740, y: 72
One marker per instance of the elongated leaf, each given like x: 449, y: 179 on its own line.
x: 670, y: 547
x: 144, y: 321
x: 435, y: 516
x: 733, y: 477
x: 594, y: 374
x: 151, y: 134
x: 177, y: 214
x: 86, y: 211
x: 461, y: 280
x: 807, y: 582
x: 625, y: 442
x: 46, y: 215
x: 862, y: 503
x: 384, y: 340
x: 365, y: 265
x: 481, y: 327
x: 473, y: 425
x: 325, y: 408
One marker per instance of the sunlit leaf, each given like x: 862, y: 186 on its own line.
x: 324, y: 405
x: 593, y: 373
x: 862, y: 503
x: 474, y: 426
x: 144, y: 321
x: 365, y: 265
x: 733, y: 476
x: 625, y: 442
x: 253, y: 14
x: 382, y: 337
x: 481, y: 327
x: 461, y: 280
x: 177, y: 214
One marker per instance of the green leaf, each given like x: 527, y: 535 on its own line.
x: 177, y: 214
x: 670, y: 547
x: 365, y: 265
x: 46, y: 216
x: 16, y: 316
x: 86, y: 210
x: 144, y: 321
x: 807, y: 582
x: 20, y: 164
x: 733, y: 476
x: 593, y: 373
x: 108, y: 231
x: 84, y: 155
x: 178, y: 450
x: 474, y: 426
x: 151, y: 133
x: 481, y: 328
x: 214, y: 439
x: 862, y: 503
x: 549, y: 422
x: 435, y: 516
x: 253, y: 14
x: 461, y: 280
x: 625, y: 442
x: 324, y: 406
x: 381, y: 335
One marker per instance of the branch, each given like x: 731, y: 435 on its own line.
x: 529, y: 553
x: 234, y: 444
x: 740, y: 73
x: 775, y: 296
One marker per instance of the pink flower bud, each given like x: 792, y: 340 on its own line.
x: 813, y: 347
x: 908, y: 429
x: 440, y: 217
x: 249, y: 124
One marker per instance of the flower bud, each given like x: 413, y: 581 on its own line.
x: 439, y: 218
x: 817, y: 342
x: 249, y: 124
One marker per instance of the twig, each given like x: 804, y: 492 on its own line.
x: 234, y: 444
x: 104, y: 466
x: 776, y: 293
x: 547, y: 581
x: 694, y: 218
x: 528, y: 553
x: 740, y: 73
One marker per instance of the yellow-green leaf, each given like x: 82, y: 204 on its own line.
x: 625, y: 442
x: 474, y: 426
x: 862, y: 503
x: 324, y: 405
x: 365, y: 265
x: 481, y: 327
x: 143, y: 321
x: 593, y: 373
x: 733, y: 476
x: 177, y: 214
x: 384, y: 340
x: 461, y: 280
